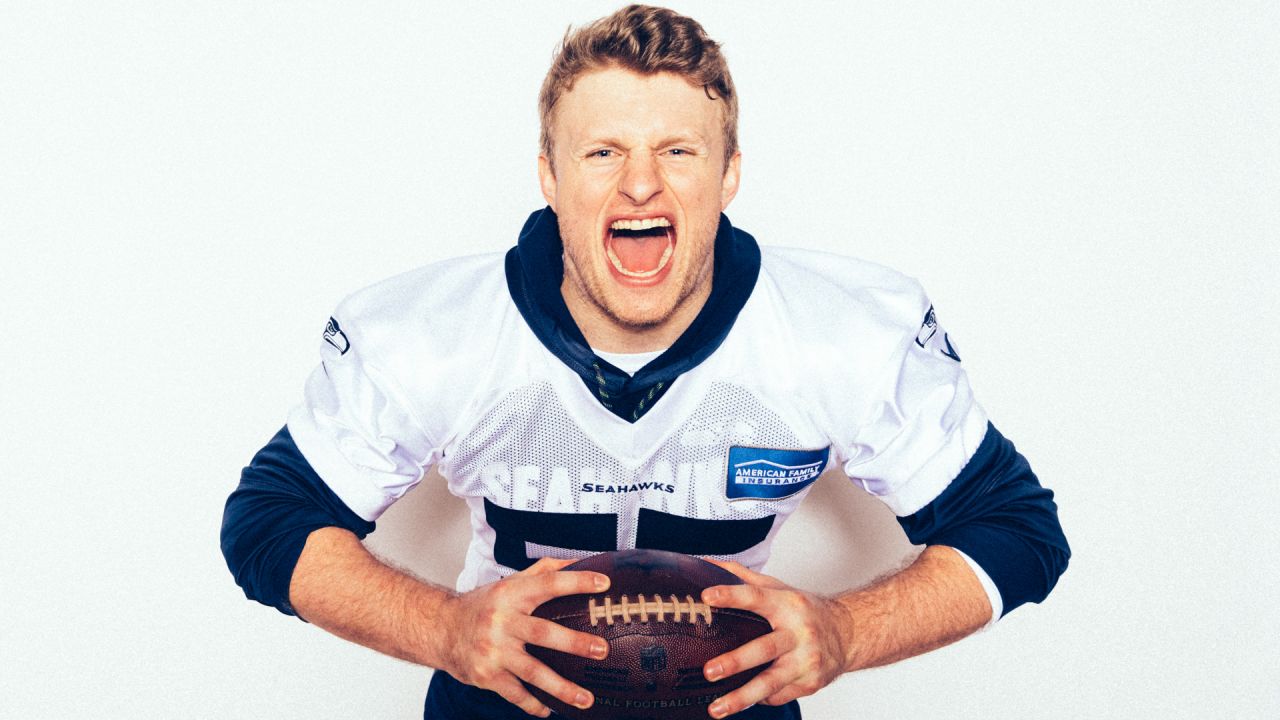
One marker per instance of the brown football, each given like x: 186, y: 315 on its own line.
x: 660, y: 634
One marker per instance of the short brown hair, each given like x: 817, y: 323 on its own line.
x: 646, y: 40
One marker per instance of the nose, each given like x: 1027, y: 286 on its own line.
x: 640, y: 179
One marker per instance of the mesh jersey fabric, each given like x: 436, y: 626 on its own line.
x: 437, y: 367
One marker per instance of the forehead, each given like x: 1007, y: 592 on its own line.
x: 618, y: 102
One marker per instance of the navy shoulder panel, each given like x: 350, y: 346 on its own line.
x: 267, y: 519
x: 996, y: 512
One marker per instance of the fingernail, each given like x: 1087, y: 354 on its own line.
x: 582, y: 700
x: 602, y: 583
x: 711, y: 596
x: 714, y: 672
x: 717, y: 709
x: 599, y: 649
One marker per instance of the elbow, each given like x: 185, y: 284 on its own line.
x: 260, y: 551
x: 998, y: 514
x: 1024, y: 567
x: 280, y: 501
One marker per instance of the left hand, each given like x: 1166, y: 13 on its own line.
x: 807, y: 644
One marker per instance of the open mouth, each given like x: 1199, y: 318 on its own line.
x: 640, y: 249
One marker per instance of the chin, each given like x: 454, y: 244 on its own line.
x: 646, y: 308
x: 634, y: 318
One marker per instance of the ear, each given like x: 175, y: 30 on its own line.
x: 547, y: 180
x: 729, y: 183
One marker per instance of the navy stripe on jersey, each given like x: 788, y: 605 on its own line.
x: 657, y: 530
x: 535, y: 270
x: 996, y: 512
x: 265, y: 524
x: 598, y: 532
x: 579, y: 531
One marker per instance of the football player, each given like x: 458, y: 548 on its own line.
x: 638, y: 372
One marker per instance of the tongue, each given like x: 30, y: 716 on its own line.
x: 639, y: 254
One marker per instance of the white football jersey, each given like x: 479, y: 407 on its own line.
x: 831, y: 360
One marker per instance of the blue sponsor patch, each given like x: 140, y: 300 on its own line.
x: 769, y: 474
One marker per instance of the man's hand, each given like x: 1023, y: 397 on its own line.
x: 806, y: 646
x: 935, y: 601
x: 479, y: 637
x: 485, y: 631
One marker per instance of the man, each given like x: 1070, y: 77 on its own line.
x: 610, y: 383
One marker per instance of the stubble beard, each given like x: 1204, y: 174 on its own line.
x: 632, y: 318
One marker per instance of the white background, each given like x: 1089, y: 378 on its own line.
x: 1089, y: 191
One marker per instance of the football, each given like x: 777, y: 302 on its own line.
x: 660, y: 635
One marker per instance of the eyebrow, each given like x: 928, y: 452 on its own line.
x: 684, y: 139
x: 688, y: 138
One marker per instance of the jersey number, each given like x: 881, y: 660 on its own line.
x: 599, y: 533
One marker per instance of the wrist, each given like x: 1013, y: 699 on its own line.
x: 433, y: 624
x: 845, y: 623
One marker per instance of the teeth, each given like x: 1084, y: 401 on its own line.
x: 640, y: 224
x: 617, y: 264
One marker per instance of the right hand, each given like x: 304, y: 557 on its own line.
x: 485, y: 631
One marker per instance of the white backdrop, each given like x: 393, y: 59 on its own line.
x: 1089, y: 192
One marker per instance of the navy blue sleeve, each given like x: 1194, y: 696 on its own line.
x: 996, y: 512
x: 267, y: 519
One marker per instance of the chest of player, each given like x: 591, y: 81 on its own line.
x: 712, y: 469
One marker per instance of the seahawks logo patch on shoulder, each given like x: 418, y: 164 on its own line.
x: 929, y: 331
x: 334, y: 336
x: 928, y: 328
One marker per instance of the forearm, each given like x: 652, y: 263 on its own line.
x: 339, y: 586
x: 935, y: 601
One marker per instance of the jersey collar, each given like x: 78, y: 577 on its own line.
x: 535, y: 269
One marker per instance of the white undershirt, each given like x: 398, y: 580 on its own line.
x: 629, y: 363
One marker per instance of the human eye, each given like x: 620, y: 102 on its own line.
x: 602, y: 154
